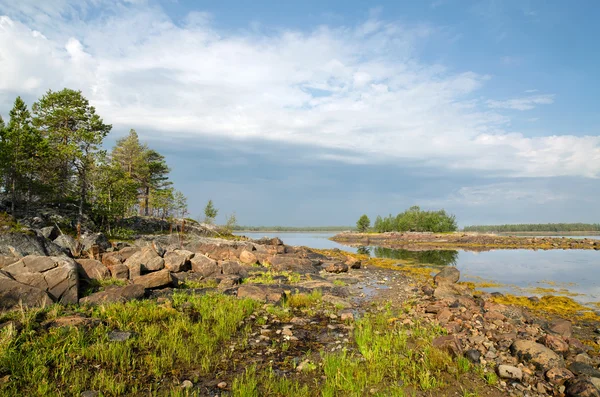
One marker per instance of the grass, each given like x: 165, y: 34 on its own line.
x: 192, y: 284
x: 270, y: 277
x: 100, y: 285
x: 166, y: 343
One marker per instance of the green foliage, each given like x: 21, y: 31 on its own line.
x: 416, y: 220
x: 231, y: 223
x: 363, y: 223
x: 210, y: 212
x: 544, y: 227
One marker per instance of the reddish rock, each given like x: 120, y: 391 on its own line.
x: 161, y: 278
x: 248, y: 258
x: 291, y: 262
x: 444, y: 316
x: 562, y: 328
x: 120, y: 272
x: 231, y: 267
x: 204, y: 265
x: 556, y: 343
x: 261, y: 293
x: 448, y: 275
x: 111, y: 259
x: 558, y: 375
x: 176, y: 262
x: 581, y: 387
x: 539, y: 355
x: 92, y: 269
x: 116, y: 294
x: 336, y: 267
x: 449, y: 344
x: 353, y: 263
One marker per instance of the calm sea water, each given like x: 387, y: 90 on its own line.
x: 519, y: 271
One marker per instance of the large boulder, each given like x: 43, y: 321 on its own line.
x: 233, y: 268
x: 49, y: 232
x: 55, y: 275
x: 119, y: 272
x: 23, y: 244
x: 291, y: 262
x: 140, y: 259
x: 448, y: 275
x: 67, y: 243
x: 95, y: 240
x: 158, y: 279
x: 248, y: 257
x: 204, y: 265
x: 116, y: 294
x: 92, y: 269
x: 14, y: 294
x: 112, y: 258
x: 539, y: 355
x: 177, y: 262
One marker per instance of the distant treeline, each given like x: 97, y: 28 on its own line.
x: 292, y: 228
x: 543, y: 227
x: 412, y: 220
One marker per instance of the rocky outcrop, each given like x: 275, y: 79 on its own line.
x: 57, y: 276
x: 88, y: 241
x: 291, y: 262
x: 92, y: 269
x: 14, y: 294
x: 23, y: 244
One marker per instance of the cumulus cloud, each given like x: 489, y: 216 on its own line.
x: 357, y: 90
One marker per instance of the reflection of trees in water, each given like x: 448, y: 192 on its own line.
x: 364, y: 251
x: 434, y: 257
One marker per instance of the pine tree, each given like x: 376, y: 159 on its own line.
x: 129, y: 154
x: 210, y: 212
x: 363, y: 223
x: 154, y: 176
x: 74, y: 132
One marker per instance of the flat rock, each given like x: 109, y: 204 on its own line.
x: 153, y: 265
x: 579, y: 368
x: 118, y: 336
x: 262, y: 293
x: 161, y: 278
x: 293, y: 263
x: 116, y: 294
x: 119, y: 272
x: 13, y: 294
x: 176, y: 262
x: 539, y: 355
x: 510, y: 372
x: 204, y: 265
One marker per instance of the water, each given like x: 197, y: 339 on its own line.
x: 519, y: 271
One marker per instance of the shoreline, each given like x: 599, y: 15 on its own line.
x: 464, y: 241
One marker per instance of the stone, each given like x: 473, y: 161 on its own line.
x: 336, y: 301
x: 119, y: 272
x: 23, y: 244
x: 539, y: 355
x: 188, y: 255
x: 262, y: 293
x: 579, y: 368
x: 187, y: 384
x: 13, y: 294
x: 558, y: 375
x: 336, y: 267
x: 248, y: 258
x: 444, y: 316
x: 67, y: 242
x: 158, y: 248
x: 49, y: 232
x: 71, y: 321
x: 509, y: 372
x: 95, y: 240
x: 353, y: 263
x: 118, y: 336
x: 204, y: 265
x: 449, y: 344
x: 562, y: 328
x: 128, y: 252
x: 144, y: 258
x: 228, y: 281
x: 222, y: 385
x: 153, y: 265
x: 473, y: 355
x: 176, y: 262
x: 56, y: 275
x: 159, y: 279
x: 112, y: 258
x: 581, y: 387
x: 7, y: 260
x: 448, y: 275
x: 346, y: 316
x: 584, y: 358
x: 556, y: 343
x: 446, y: 291
x: 89, y: 393
x: 92, y: 269
x: 292, y: 263
x: 115, y: 294
x: 231, y: 267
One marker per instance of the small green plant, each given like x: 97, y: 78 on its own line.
x: 193, y: 284
x: 339, y: 283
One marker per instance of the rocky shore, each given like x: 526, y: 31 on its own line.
x: 300, y: 312
x: 465, y: 241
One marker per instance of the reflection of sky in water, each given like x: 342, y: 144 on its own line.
x: 522, y: 268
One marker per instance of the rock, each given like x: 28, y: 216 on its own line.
x: 509, y: 372
x: 473, y: 355
x: 158, y: 248
x: 222, y: 385
x: 120, y: 272
x: 584, y: 358
x: 92, y: 269
x: 336, y: 301
x: 23, y: 244
x: 539, y: 355
x: 68, y: 243
x: 556, y: 343
x: 128, y: 252
x: 144, y: 258
x: 56, y: 275
x: 336, y: 267
x: 153, y: 265
x: 346, y: 316
x: 204, y: 265
x: 248, y: 257
x: 353, y: 263
x: 562, y: 328
x: 13, y: 294
x: 228, y: 281
x: 579, y: 368
x: 291, y: 262
x: 449, y: 344
x: 118, y: 336
x: 49, y: 232
x: 230, y: 267
x: 71, y: 321
x: 7, y: 260
x: 161, y: 278
x: 446, y: 291
x: 95, y: 240
x: 89, y: 393
x: 176, y: 262
x: 115, y: 294
x: 581, y: 387
x: 187, y: 384
x: 448, y: 275
x: 558, y: 375
x: 112, y: 258
x: 262, y: 293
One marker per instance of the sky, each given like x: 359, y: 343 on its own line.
x: 315, y: 112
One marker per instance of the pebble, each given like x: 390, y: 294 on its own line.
x: 222, y: 385
x: 187, y: 384
x: 118, y: 336
x: 509, y: 372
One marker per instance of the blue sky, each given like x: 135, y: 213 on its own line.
x: 314, y: 112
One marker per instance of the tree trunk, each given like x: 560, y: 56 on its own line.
x: 146, y: 200
x: 14, y: 197
x: 81, y: 198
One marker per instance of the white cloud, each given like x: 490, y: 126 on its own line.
x: 525, y: 103
x: 358, y: 90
